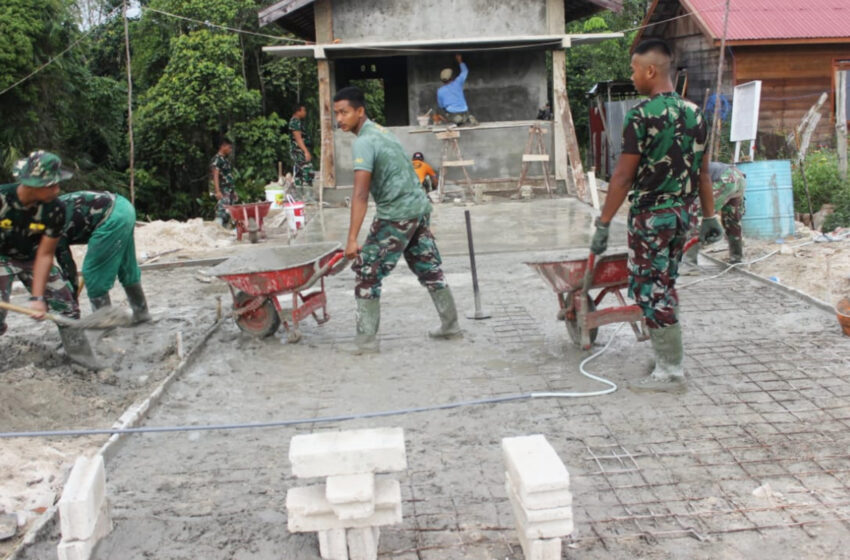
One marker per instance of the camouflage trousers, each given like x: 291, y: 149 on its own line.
x: 386, y: 243
x: 656, y: 240
x: 729, y: 198
x: 58, y: 292
x: 228, y: 198
x: 460, y: 119
x: 302, y: 170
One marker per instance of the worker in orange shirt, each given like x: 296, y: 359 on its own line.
x: 427, y: 175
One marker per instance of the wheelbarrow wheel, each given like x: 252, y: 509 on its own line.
x: 253, y: 230
x: 572, y: 325
x: 262, y: 321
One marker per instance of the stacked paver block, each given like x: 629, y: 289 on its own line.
x: 84, y: 516
x: 538, y: 487
x: 347, y: 510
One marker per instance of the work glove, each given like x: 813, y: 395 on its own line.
x: 710, y: 230
x: 600, y: 237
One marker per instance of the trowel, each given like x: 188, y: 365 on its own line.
x: 104, y: 318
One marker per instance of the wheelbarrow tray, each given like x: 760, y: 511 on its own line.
x: 245, y: 211
x: 567, y: 274
x: 275, y: 270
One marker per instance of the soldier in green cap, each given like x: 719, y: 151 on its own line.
x: 105, y: 222
x: 662, y: 169
x: 401, y: 225
x: 31, y: 223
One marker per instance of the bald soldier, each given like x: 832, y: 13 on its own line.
x: 662, y: 169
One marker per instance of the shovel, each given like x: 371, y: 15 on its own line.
x: 104, y: 318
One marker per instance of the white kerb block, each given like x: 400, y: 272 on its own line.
x: 540, y: 529
x: 82, y: 498
x: 363, y: 543
x: 82, y: 549
x: 333, y: 545
x: 538, y: 515
x: 351, y: 488
x: 542, y: 500
x: 540, y: 549
x: 307, y: 509
x: 354, y: 511
x: 533, y: 465
x: 348, y: 452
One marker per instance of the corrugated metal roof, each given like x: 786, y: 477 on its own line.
x: 752, y: 20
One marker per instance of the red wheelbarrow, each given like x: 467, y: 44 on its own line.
x: 256, y: 279
x: 249, y: 217
x: 572, y: 281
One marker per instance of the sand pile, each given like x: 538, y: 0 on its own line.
x: 159, y: 236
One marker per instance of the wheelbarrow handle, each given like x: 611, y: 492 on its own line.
x: 588, y: 274
x: 323, y: 270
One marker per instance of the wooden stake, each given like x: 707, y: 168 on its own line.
x: 714, y: 139
x: 841, y: 120
x: 130, y: 107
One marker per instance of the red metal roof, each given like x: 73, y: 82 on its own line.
x: 753, y: 20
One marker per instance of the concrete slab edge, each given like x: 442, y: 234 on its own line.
x: 781, y: 287
x: 132, y: 417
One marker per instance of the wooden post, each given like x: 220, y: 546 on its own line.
x: 556, y: 24
x: 324, y: 34
x: 841, y: 120
x: 714, y: 137
x: 129, y: 107
x: 572, y: 146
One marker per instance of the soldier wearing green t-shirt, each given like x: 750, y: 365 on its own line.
x: 105, y: 222
x: 400, y: 227
x: 31, y: 223
x: 302, y: 157
x: 662, y: 169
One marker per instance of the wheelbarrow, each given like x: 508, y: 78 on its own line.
x: 256, y: 279
x: 249, y: 218
x: 572, y: 280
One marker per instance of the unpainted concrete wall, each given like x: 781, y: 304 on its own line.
x: 502, y: 85
x: 497, y: 151
x: 394, y: 20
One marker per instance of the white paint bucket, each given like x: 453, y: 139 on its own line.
x: 294, y: 213
x: 276, y: 197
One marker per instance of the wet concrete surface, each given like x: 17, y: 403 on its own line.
x: 653, y: 476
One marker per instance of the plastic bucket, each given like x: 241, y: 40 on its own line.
x: 276, y: 197
x: 294, y: 213
x: 842, y: 311
x: 769, y: 199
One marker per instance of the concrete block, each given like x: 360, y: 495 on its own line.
x: 333, y: 545
x: 540, y: 549
x: 356, y: 510
x: 351, y: 488
x: 308, y: 509
x: 533, y: 465
x: 82, y: 498
x: 540, y: 529
x: 538, y: 515
x: 363, y: 543
x: 81, y: 549
x: 542, y: 500
x: 348, y: 452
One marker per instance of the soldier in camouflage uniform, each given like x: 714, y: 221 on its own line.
x: 222, y: 179
x: 728, y: 183
x: 663, y: 170
x: 31, y: 222
x: 105, y: 222
x: 302, y: 158
x: 401, y: 225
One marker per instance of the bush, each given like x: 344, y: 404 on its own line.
x: 841, y: 216
x: 825, y: 184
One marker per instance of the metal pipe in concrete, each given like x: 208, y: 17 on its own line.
x: 478, y: 314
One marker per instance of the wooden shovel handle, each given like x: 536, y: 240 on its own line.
x: 26, y: 311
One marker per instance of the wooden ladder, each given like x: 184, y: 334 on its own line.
x: 451, y: 157
x: 535, y: 142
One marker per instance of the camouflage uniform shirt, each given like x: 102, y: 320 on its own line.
x: 669, y: 133
x: 225, y: 172
x: 84, y: 212
x: 21, y: 228
x: 297, y: 125
x: 395, y: 186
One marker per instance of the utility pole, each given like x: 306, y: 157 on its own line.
x: 130, y: 107
x: 714, y: 138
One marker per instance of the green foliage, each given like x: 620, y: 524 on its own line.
x: 599, y: 62
x: 821, y: 167
x: 373, y: 91
x: 841, y: 216
x: 260, y: 144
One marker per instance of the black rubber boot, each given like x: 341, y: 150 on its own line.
x: 668, y: 375
x: 136, y: 298
x: 445, y: 304
x: 100, y: 302
x: 736, y: 251
x: 77, y: 347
